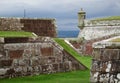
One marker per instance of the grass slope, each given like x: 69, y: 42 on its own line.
x: 84, y: 60
x: 108, y: 18
x: 15, y: 34
x: 68, y: 77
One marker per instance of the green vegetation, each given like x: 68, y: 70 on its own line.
x: 115, y: 40
x: 15, y: 34
x: 67, y: 77
x: 108, y: 18
x: 84, y: 60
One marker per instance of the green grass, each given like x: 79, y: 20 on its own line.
x: 108, y: 18
x: 15, y: 34
x: 68, y: 77
x: 83, y: 59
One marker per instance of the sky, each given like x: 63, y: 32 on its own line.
x: 64, y: 11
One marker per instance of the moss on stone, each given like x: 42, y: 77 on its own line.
x: 115, y: 40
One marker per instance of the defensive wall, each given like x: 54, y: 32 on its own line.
x: 106, y: 62
x: 95, y: 30
x: 40, y: 26
x: 34, y: 56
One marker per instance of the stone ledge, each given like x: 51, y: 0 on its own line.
x: 107, y: 43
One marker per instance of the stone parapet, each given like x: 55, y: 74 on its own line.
x: 39, y: 26
x: 102, y: 22
x: 106, y: 62
x: 95, y: 32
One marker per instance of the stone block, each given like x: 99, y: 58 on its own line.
x: 55, y: 67
x: 111, y: 66
x: 27, y: 61
x: 116, y: 66
x: 10, y: 72
x: 48, y: 51
x: 45, y: 68
x: 35, y: 61
x: 106, y: 54
x: 43, y: 60
x: 4, y: 63
x: 61, y: 67
x: 75, y: 66
x: 21, y: 62
x: 3, y: 71
x: 38, y: 24
x: 88, y: 49
x: 96, y: 54
x: 2, y: 54
x: 66, y: 66
x: 16, y: 40
x: 24, y: 69
x: 27, y: 53
x: 30, y: 69
x: 95, y: 65
x: 110, y: 54
x: 51, y: 59
x: 36, y: 68
x: 14, y: 54
x: 18, y: 69
x: 1, y: 40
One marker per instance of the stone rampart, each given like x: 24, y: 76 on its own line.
x: 41, y: 27
x: 94, y: 22
x: 106, y: 63
x: 37, y: 56
x: 95, y: 32
x: 10, y: 24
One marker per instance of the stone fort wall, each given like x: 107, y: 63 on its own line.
x: 95, y: 32
x: 36, y: 56
x: 40, y: 26
x: 106, y: 66
x: 106, y: 63
x: 95, y: 22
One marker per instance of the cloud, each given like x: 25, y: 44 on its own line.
x: 65, y: 11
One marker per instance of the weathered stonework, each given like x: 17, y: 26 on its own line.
x: 94, y: 30
x: 10, y: 24
x: 97, y: 28
x: 85, y: 47
x: 106, y: 62
x: 37, y: 56
x: 40, y: 26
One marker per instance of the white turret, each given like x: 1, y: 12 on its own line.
x: 81, y: 18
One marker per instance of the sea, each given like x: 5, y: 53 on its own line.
x: 68, y: 34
